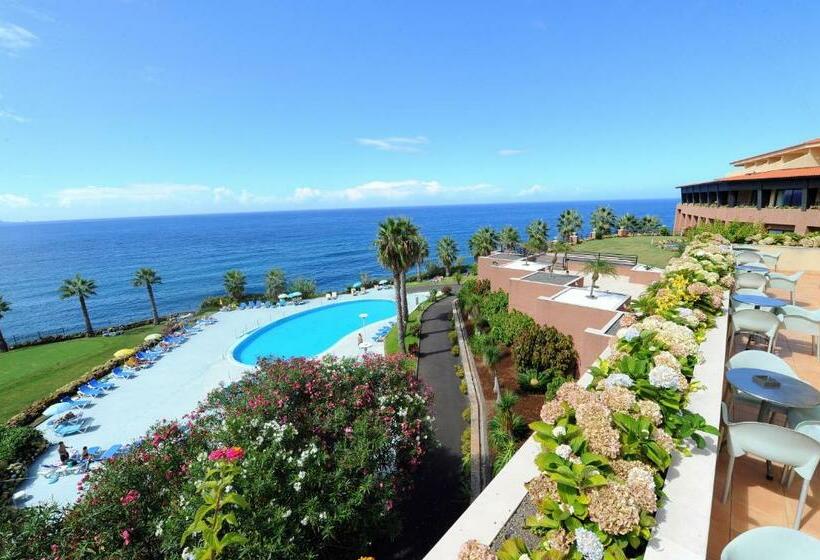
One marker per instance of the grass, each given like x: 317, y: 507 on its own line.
x: 641, y: 246
x: 31, y: 373
x: 391, y: 341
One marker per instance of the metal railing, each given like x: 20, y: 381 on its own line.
x: 614, y: 258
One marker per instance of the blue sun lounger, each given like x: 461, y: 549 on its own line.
x: 111, y: 452
x: 102, y: 385
x: 89, y: 391
x: 73, y: 428
x: 121, y: 373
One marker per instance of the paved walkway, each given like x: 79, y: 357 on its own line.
x: 439, y: 496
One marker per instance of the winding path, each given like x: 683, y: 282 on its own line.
x: 439, y: 496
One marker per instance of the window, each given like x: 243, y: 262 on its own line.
x: 789, y: 197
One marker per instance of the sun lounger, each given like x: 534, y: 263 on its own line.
x: 72, y: 428
x: 103, y: 385
x: 120, y: 373
x: 88, y: 391
x: 78, y: 403
x: 111, y: 452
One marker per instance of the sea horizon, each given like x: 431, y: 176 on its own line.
x: 192, y: 252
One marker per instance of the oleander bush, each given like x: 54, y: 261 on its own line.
x: 319, y: 451
x: 606, y: 447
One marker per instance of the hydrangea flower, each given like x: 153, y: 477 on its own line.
x: 588, y: 544
x: 629, y: 334
x: 564, y: 451
x: 559, y: 431
x: 664, y: 377
x: 618, y: 380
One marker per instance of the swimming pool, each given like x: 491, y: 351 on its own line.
x: 311, y: 332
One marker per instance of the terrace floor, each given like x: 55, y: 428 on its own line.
x: 755, y: 501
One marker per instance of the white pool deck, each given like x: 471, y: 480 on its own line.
x: 176, y: 383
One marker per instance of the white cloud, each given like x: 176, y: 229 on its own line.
x: 386, y: 191
x: 507, y: 152
x: 406, y: 144
x: 136, y: 193
x: 533, y: 190
x: 12, y: 116
x: 14, y: 38
x: 9, y: 200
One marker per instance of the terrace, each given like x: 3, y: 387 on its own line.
x: 693, y: 523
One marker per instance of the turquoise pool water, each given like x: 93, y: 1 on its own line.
x: 311, y: 332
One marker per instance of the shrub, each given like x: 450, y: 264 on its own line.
x: 507, y: 326
x: 465, y: 414
x: 452, y: 336
x: 326, y: 456
x: 455, y: 350
x: 304, y: 285
x: 463, y: 387
x: 447, y: 290
x: 533, y: 380
x: 414, y: 328
x: 18, y: 444
x: 459, y: 369
x: 544, y: 348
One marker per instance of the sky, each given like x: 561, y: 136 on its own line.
x: 133, y: 108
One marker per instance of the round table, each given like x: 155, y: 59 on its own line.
x: 773, y: 388
x: 752, y: 268
x: 759, y: 301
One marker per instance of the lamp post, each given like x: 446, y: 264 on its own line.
x: 363, y: 345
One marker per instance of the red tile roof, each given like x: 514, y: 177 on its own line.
x: 776, y: 174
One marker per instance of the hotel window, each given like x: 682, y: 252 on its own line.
x: 789, y: 197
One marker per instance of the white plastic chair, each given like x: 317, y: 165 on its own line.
x: 805, y: 321
x: 754, y: 280
x: 770, y: 260
x: 758, y: 359
x: 766, y: 543
x: 754, y: 322
x: 800, y: 415
x: 772, y: 443
x: 747, y: 257
x: 787, y: 283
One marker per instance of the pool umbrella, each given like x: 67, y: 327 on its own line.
x: 295, y: 294
x: 357, y: 285
x: 58, y: 408
x: 283, y: 296
x: 153, y: 337
x: 124, y: 353
x: 382, y: 282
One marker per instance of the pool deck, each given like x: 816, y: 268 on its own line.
x: 175, y: 384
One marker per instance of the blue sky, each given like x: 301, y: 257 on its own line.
x: 123, y: 108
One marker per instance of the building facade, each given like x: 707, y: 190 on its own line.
x: 778, y: 189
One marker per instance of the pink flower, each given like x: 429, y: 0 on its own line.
x: 230, y: 454
x: 126, y: 537
x: 130, y: 497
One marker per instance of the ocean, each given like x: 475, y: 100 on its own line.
x: 191, y: 253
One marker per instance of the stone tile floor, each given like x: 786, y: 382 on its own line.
x: 755, y: 501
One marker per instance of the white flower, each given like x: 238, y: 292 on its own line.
x: 629, y: 334
x: 305, y: 520
x: 564, y: 451
x: 297, y: 486
x: 618, y: 380
x: 524, y: 556
x: 187, y: 554
x: 684, y: 311
x: 664, y: 377
x: 286, y: 514
x: 559, y: 431
x: 322, y: 515
x: 588, y: 544
x: 158, y: 531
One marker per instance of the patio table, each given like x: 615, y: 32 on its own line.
x: 773, y: 388
x: 752, y: 268
x: 759, y: 301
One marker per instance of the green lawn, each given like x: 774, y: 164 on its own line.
x: 31, y: 373
x: 641, y: 246
x: 391, y: 341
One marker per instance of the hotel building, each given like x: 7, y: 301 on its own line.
x: 778, y: 189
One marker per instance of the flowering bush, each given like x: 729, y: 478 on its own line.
x: 319, y: 450
x: 605, y: 448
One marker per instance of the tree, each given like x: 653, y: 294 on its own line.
x: 394, y: 251
x: 509, y: 238
x: 422, y: 251
x: 306, y: 286
x: 569, y: 222
x: 602, y: 221
x: 537, y: 236
x: 235, y: 282
x: 5, y: 307
x: 81, y: 288
x: 275, y: 283
x: 483, y: 242
x: 491, y: 356
x: 505, y: 428
x: 629, y: 223
x: 598, y: 268
x: 650, y: 224
x: 148, y: 277
x: 559, y: 247
x: 447, y: 250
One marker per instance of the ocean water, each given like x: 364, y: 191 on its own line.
x: 191, y: 253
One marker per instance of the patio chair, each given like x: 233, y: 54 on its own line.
x: 758, y: 359
x: 787, y: 283
x: 773, y: 443
x: 753, y: 280
x: 765, y: 543
x: 797, y: 416
x: 747, y: 257
x: 754, y: 322
x: 770, y: 260
x: 802, y: 320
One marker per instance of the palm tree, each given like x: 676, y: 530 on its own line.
x: 537, y: 236
x: 394, y: 251
x: 598, y: 268
x: 509, y: 238
x: 650, y: 224
x: 602, y: 221
x: 234, y: 282
x: 148, y: 277
x: 422, y: 252
x: 629, y: 223
x: 275, y: 283
x: 81, y: 288
x: 483, y: 242
x: 447, y: 253
x: 569, y: 222
x: 558, y: 247
x: 505, y: 428
x: 5, y: 307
